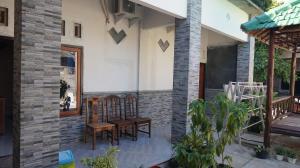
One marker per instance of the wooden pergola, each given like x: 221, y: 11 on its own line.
x: 279, y: 28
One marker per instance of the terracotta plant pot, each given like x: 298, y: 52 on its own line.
x: 292, y: 160
x: 279, y: 157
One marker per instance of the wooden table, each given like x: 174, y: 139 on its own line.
x: 2, y: 115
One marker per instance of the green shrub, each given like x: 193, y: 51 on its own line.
x: 199, y: 148
x: 280, y: 151
x: 106, y: 161
x: 291, y: 154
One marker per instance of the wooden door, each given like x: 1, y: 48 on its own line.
x: 202, y: 81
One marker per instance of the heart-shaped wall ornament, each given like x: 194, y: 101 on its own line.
x: 163, y: 45
x: 117, y: 36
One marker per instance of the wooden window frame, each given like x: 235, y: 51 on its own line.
x: 79, y: 50
x: 63, y: 27
x: 77, y: 30
x: 5, y: 10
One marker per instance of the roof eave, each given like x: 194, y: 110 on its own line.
x: 248, y: 6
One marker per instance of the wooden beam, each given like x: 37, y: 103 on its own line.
x: 270, y: 85
x: 293, y: 74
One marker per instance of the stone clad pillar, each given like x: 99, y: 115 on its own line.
x: 36, y: 83
x: 186, y: 67
x: 245, y: 61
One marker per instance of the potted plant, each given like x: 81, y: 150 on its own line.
x: 229, y: 117
x: 280, y: 153
x: 291, y: 156
x: 261, y: 152
x: 199, y: 148
x: 106, y: 161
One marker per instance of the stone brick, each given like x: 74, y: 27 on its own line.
x: 153, y: 104
x: 245, y: 61
x: 186, y: 67
x: 157, y: 105
x: 36, y: 83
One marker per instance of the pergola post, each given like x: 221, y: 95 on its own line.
x: 293, y: 74
x: 270, y: 85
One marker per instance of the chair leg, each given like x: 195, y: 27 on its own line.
x: 118, y: 135
x: 94, y: 139
x: 149, y: 129
x: 136, y: 131
x: 85, y: 135
x: 112, y: 136
x: 132, y: 132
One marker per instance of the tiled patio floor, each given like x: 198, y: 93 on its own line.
x: 243, y: 158
x: 133, y: 154
x: 147, y: 152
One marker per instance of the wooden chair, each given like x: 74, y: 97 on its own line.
x: 114, y: 115
x: 131, y: 113
x: 96, y: 123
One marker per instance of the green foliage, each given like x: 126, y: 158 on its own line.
x: 199, y: 148
x: 280, y: 151
x: 106, y: 161
x: 264, y: 4
x: 229, y: 118
x: 259, y: 149
x: 291, y: 153
x: 63, y: 88
x: 282, y: 66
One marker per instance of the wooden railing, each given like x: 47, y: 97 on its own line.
x: 282, y: 106
x: 296, y: 105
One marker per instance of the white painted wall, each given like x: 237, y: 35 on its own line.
x: 176, y: 8
x: 111, y: 67
x: 8, y: 30
x: 156, y: 66
x: 223, y: 17
x: 107, y: 66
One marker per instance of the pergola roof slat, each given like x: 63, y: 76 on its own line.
x: 279, y: 28
x: 285, y: 20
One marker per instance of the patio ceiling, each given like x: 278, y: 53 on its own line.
x: 284, y: 21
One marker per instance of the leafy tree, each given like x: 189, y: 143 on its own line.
x: 267, y: 4
x: 282, y: 66
x: 264, y: 4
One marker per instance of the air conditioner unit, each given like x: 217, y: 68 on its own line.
x: 126, y: 9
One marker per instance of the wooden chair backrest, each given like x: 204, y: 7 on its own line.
x: 112, y: 106
x: 130, y: 107
x: 94, y: 110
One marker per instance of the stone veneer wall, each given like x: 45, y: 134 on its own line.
x: 211, y: 93
x: 186, y: 67
x: 153, y: 104
x: 245, y: 61
x: 36, y: 83
x: 157, y: 105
